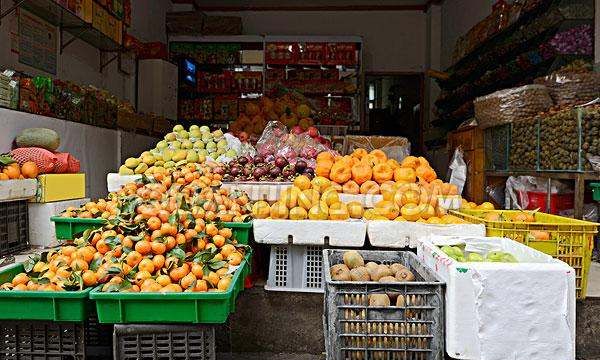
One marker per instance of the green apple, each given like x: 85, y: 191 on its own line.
x: 183, y: 134
x: 206, y: 137
x: 211, y: 146
x: 171, y: 136
x: 222, y: 144
x: 195, y: 133
x: 162, y: 144
x: 460, y: 258
x: 177, y: 128
x: 213, y: 155
x: 201, y: 157
x: 124, y: 170
x: 132, y: 163
x: 205, y: 129
x: 203, y: 152
x: 475, y: 257
x: 494, y: 256
x: 179, y: 155
x: 148, y: 159
x: 457, y: 251
x: 448, y: 250
x: 509, y: 258
x: 192, y: 156
x: 220, y: 151
x: 198, y: 145
x: 169, y: 164
x: 194, y: 127
x: 231, y: 153
x: 181, y: 162
x: 175, y: 144
x: 186, y: 144
x: 159, y: 163
x: 141, y: 168
x: 167, y: 154
x: 218, y: 133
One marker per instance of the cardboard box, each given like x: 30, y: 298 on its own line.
x: 58, y: 187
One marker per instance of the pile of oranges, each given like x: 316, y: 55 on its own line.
x: 194, y: 183
x: 159, y: 237
x: 14, y: 171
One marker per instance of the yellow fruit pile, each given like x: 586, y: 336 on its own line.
x: 314, y: 200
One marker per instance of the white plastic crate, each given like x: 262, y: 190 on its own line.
x: 267, y: 191
x: 295, y: 268
x: 534, y: 298
x: 11, y: 190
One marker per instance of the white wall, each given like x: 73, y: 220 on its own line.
x: 394, y: 40
x: 80, y: 62
x: 458, y: 16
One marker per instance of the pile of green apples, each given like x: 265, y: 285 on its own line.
x: 180, y: 147
x: 458, y: 254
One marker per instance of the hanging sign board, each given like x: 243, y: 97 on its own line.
x: 37, y: 43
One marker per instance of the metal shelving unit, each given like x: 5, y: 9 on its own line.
x: 67, y: 22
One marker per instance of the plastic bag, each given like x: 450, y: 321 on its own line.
x: 572, y: 88
x: 496, y: 193
x: 271, y: 138
x: 507, y: 105
x: 458, y: 170
x: 590, y: 212
x: 233, y: 143
x: 518, y: 186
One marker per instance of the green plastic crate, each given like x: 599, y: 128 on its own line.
x: 595, y: 191
x: 69, y: 228
x: 41, y: 305
x: 241, y: 231
x: 207, y: 307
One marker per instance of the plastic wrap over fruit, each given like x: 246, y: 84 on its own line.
x: 233, y: 143
x: 271, y: 138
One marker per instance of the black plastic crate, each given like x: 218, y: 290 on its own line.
x: 98, y: 339
x: 14, y: 227
x: 411, y: 329
x: 158, y: 342
x: 41, y: 340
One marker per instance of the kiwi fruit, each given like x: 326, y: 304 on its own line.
x: 405, y: 275
x: 379, y: 300
x: 353, y: 259
x: 388, y: 279
x: 340, y: 272
x: 360, y: 274
x: 395, y: 267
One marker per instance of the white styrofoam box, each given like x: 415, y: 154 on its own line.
x: 116, y: 181
x: 296, y: 268
x: 11, y: 190
x: 350, y: 233
x: 400, y: 234
x: 498, y: 311
x: 157, y: 87
x: 367, y: 201
x: 41, y: 229
x: 259, y: 190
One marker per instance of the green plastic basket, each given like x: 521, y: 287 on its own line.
x: 595, y: 191
x: 41, y: 305
x: 69, y: 228
x: 241, y: 231
x: 207, y: 307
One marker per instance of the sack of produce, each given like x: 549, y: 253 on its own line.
x: 74, y: 165
x: 45, y: 160
x: 507, y: 105
x: 572, y: 88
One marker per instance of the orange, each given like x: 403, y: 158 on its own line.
x: 158, y: 261
x: 12, y: 172
x: 201, y: 286
x: 154, y: 223
x: 143, y: 247
x: 79, y: 264
x: 180, y: 239
x: 211, y: 230
x: 179, y: 272
x: 213, y: 278
x: 3, y: 176
x: 158, y: 248
x: 29, y: 170
x: 89, y: 278
x: 168, y: 229
x: 163, y: 280
x: 226, y: 233
x: 21, y: 278
x: 188, y: 281
x: 142, y: 276
x: 234, y: 259
x: 133, y: 258
x: 224, y: 283
x: 171, y: 288
x: 197, y: 270
x: 227, y: 250
x: 68, y: 250
x: 152, y: 288
x: 218, y: 240
x: 102, y: 247
x: 146, y: 265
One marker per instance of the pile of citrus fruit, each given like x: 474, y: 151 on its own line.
x: 159, y: 237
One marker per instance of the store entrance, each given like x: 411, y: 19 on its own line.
x: 393, y: 105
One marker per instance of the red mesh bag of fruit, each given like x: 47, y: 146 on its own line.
x: 74, y: 165
x: 62, y: 163
x: 45, y: 160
